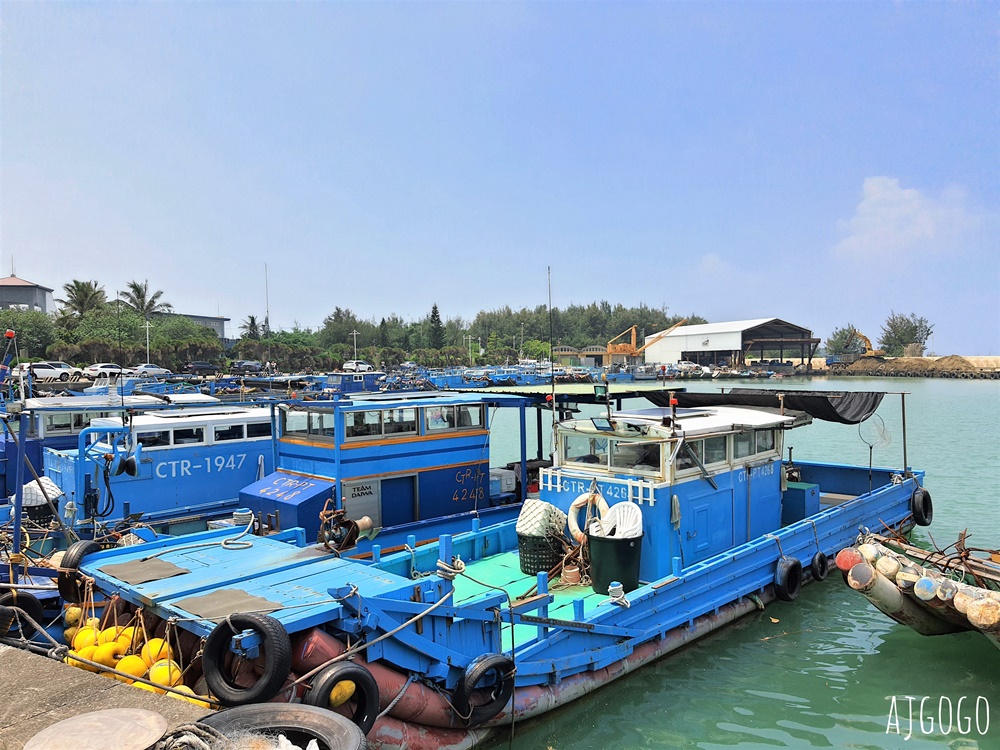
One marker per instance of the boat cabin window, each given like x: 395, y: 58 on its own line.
x: 439, y: 418
x: 68, y: 423
x: 765, y: 440
x: 743, y: 445
x: 636, y: 456
x: 585, y: 449
x: 228, y: 432
x: 708, y: 451
x: 258, y: 429
x: 400, y: 421
x: 153, y: 439
x: 189, y: 435
x: 362, y: 424
x: 302, y: 424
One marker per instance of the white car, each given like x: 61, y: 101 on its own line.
x: 148, y: 369
x: 357, y: 365
x: 105, y: 369
x: 59, y: 370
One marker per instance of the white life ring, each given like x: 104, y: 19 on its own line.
x: 582, y: 501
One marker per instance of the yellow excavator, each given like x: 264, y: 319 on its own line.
x: 628, y: 348
x: 840, y: 361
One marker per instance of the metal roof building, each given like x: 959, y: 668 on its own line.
x: 19, y: 294
x: 732, y: 342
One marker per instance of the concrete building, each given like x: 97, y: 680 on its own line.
x: 19, y: 294
x: 732, y: 343
x: 210, y: 321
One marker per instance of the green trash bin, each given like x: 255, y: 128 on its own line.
x: 614, y: 559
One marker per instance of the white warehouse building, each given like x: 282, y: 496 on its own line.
x: 732, y: 343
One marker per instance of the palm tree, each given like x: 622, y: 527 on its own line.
x: 250, y: 328
x: 82, y: 297
x: 144, y: 303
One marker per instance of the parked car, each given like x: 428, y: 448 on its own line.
x: 201, y: 368
x: 106, y: 369
x: 245, y: 367
x: 149, y: 370
x: 59, y: 370
x: 357, y: 365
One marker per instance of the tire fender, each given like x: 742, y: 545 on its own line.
x: 27, y: 603
x: 788, y: 579
x: 366, y: 695
x: 500, y: 691
x: 582, y: 501
x: 922, y: 507
x: 298, y: 722
x: 277, y: 648
x: 68, y: 580
x: 819, y: 567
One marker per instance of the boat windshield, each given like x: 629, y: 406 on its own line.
x: 623, y: 455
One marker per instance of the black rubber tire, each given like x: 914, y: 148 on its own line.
x: 299, y: 723
x: 277, y: 649
x: 819, y: 567
x: 30, y: 605
x: 68, y: 581
x: 788, y: 579
x: 922, y: 507
x: 64, y: 376
x: 6, y: 619
x: 366, y: 697
x: 503, y: 687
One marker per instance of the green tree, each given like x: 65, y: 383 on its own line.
x: 436, y: 333
x: 147, y: 305
x: 82, y: 297
x: 900, y: 331
x: 35, y: 331
x: 250, y: 328
x: 844, y: 341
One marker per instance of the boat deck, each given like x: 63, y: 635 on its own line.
x: 503, y: 571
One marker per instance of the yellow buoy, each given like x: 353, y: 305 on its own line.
x: 109, y: 634
x: 148, y: 687
x: 72, y: 614
x: 87, y: 652
x: 109, y: 654
x: 188, y: 695
x: 129, y: 638
x: 342, y: 692
x: 133, y: 665
x: 70, y: 633
x: 85, y: 636
x: 156, y: 649
x: 165, y: 672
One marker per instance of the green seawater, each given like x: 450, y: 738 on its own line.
x: 821, y: 672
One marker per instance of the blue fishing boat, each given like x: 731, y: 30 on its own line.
x: 653, y: 526
x: 171, y: 469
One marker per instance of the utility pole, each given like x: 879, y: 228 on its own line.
x: 355, y: 333
x: 147, y: 327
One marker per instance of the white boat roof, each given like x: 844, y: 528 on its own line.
x: 166, y: 419
x: 113, y: 401
x: 699, y: 421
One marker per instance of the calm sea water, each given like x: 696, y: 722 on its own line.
x: 824, y: 675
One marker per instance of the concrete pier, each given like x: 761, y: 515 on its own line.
x: 37, y: 692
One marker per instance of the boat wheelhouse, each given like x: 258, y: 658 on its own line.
x: 188, y: 465
x: 401, y: 460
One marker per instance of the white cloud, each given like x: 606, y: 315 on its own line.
x: 892, y: 221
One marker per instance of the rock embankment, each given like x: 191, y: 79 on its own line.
x: 952, y: 366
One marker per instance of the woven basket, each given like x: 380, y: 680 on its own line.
x: 538, y: 553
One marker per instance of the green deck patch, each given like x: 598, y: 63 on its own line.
x: 503, y: 571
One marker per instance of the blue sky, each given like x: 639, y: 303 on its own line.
x: 824, y: 163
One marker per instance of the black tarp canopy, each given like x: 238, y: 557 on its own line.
x: 846, y: 407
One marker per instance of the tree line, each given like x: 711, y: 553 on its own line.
x: 901, y: 336
x: 90, y: 327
